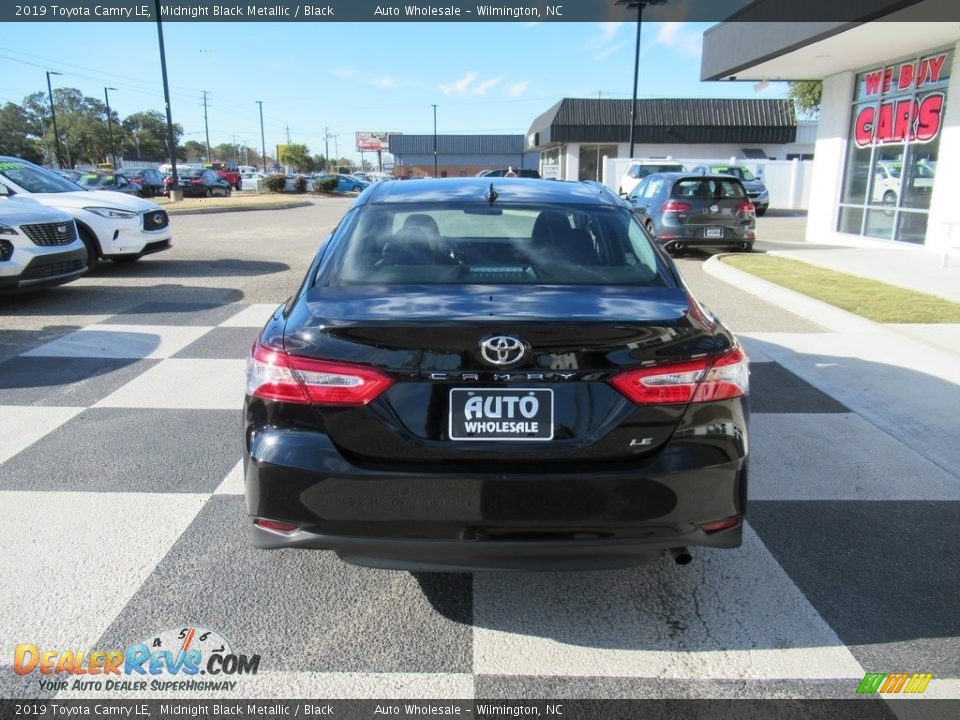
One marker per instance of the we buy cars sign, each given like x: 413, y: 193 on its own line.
x: 897, y: 120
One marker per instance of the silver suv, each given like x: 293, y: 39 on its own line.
x: 39, y: 246
x: 637, y: 170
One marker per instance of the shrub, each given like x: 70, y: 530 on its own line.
x: 327, y: 184
x: 276, y: 183
x: 300, y: 184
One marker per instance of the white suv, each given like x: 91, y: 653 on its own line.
x: 112, y: 225
x: 39, y: 246
x: 637, y: 170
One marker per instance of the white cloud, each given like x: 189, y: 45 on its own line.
x: 518, y: 89
x: 675, y: 36
x: 384, y: 82
x: 458, y: 87
x: 482, y: 88
x: 609, y: 50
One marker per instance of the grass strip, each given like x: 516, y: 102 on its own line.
x: 871, y: 299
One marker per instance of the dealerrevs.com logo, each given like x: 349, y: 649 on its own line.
x: 185, y: 659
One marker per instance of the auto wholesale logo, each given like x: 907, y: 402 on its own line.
x: 894, y: 683
x: 167, y: 661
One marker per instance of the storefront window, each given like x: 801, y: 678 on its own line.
x: 893, y: 147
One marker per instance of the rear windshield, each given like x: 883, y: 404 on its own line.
x: 450, y: 245
x: 703, y: 189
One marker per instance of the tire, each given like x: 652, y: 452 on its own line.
x: 92, y: 247
x: 227, y: 191
x: 650, y: 228
x: 889, y: 202
x: 208, y: 192
x: 761, y: 211
x: 125, y: 259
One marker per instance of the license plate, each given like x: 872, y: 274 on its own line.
x: 713, y: 232
x: 501, y: 414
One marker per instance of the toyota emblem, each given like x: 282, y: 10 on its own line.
x: 502, y: 350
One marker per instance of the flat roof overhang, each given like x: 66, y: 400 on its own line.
x: 755, y: 51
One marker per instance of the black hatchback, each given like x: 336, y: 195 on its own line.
x: 683, y: 210
x: 494, y: 374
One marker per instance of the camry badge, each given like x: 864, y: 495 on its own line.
x: 502, y: 350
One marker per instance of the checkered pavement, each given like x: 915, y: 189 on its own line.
x: 122, y: 489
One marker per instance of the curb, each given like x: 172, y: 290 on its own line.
x: 817, y: 311
x: 250, y: 208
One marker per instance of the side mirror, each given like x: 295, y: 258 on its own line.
x: 5, y: 191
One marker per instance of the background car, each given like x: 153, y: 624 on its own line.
x: 71, y: 175
x: 345, y: 183
x: 39, y: 246
x: 756, y: 190
x: 637, y: 170
x: 467, y: 380
x: 114, y: 182
x: 152, y: 182
x: 200, y: 182
x: 683, y: 210
x: 521, y: 172
x: 111, y: 225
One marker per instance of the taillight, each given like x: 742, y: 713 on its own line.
x: 702, y: 380
x: 196, y: 181
x: 746, y: 207
x: 275, y: 375
x: 277, y: 525
x: 675, y: 206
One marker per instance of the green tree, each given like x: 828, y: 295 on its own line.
x: 194, y: 150
x: 298, y: 157
x: 144, y: 136
x: 806, y: 96
x: 17, y: 136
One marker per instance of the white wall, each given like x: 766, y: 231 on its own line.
x: 944, y: 207
x: 831, y: 149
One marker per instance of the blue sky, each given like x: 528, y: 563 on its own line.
x: 484, y: 77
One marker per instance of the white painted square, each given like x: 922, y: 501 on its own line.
x: 23, y: 426
x: 70, y: 562
x: 122, y: 341
x: 838, y: 457
x: 253, y: 316
x: 184, y: 384
x: 233, y: 483
x: 730, y: 614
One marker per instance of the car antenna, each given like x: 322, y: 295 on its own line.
x: 492, y: 194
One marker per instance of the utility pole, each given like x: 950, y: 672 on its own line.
x: 113, y: 154
x: 599, y: 115
x: 326, y: 151
x: 236, y: 151
x: 175, y: 192
x: 53, y: 115
x: 288, y: 134
x: 263, y: 141
x: 206, y: 127
x: 435, y: 173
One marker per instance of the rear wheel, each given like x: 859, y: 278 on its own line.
x: 761, y: 211
x: 92, y: 248
x: 208, y: 192
x: 227, y: 191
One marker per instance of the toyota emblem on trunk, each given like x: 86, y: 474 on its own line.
x: 501, y: 350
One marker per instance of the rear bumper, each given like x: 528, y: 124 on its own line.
x: 472, y: 521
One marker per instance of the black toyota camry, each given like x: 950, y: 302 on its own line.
x: 495, y: 374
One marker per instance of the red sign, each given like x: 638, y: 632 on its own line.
x: 898, y: 120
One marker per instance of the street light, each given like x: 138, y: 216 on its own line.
x: 435, y: 174
x: 113, y: 154
x: 53, y: 114
x: 639, y: 5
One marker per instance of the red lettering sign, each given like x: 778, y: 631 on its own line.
x: 908, y: 76
x: 897, y: 121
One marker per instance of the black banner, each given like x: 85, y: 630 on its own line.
x: 855, y: 709
x: 475, y: 10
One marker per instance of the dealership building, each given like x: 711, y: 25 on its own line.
x: 458, y: 155
x: 887, y: 159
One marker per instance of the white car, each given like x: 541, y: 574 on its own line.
x: 39, y: 246
x: 637, y: 170
x: 111, y: 225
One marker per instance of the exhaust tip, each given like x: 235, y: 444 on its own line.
x: 681, y: 555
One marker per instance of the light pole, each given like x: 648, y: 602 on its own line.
x: 53, y: 115
x: 435, y: 173
x: 263, y: 138
x: 175, y: 192
x: 113, y: 154
x: 639, y: 5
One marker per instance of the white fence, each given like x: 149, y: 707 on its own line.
x: 788, y: 181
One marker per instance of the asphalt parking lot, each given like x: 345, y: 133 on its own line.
x: 120, y: 475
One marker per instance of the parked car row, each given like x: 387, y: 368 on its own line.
x: 52, y: 229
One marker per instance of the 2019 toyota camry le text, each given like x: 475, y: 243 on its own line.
x: 503, y: 374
